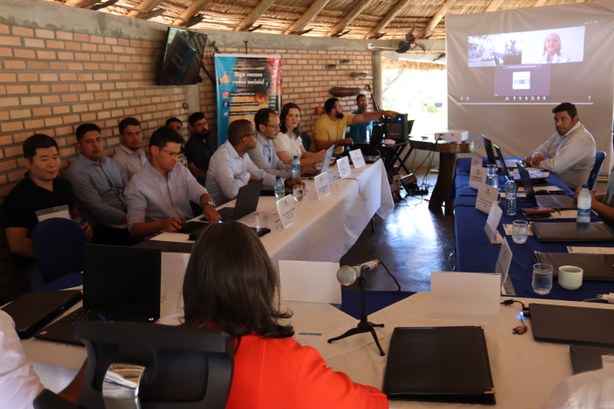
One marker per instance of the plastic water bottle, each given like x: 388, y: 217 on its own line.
x: 584, y: 205
x: 296, y: 168
x: 280, y: 188
x: 510, y: 197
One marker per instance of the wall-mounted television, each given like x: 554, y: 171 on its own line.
x: 183, y: 57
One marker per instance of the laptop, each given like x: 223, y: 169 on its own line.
x: 32, y: 311
x: 247, y: 202
x: 572, y: 231
x: 490, y: 155
x: 551, y: 200
x: 119, y: 284
x: 572, y: 325
x: 503, y: 163
x: 325, y: 163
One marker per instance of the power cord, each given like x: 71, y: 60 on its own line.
x: 522, y: 328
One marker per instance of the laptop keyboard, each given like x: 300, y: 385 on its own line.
x: 550, y: 201
x: 83, y: 314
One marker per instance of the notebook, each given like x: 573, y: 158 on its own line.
x: 119, y: 284
x: 247, y: 202
x: 504, y: 164
x: 443, y: 364
x: 595, y: 266
x: 577, y: 325
x: 554, y: 201
x: 572, y: 231
x: 325, y: 163
x: 32, y: 311
x: 588, y: 358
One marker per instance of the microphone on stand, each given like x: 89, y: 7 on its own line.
x: 347, y: 275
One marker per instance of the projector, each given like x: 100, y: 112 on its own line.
x: 452, y: 135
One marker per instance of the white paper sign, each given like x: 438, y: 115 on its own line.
x: 286, y: 211
x: 322, y: 185
x: 477, y: 174
x: 487, y: 195
x: 503, y: 267
x: 310, y: 281
x: 357, y: 159
x: 60, y: 212
x: 343, y: 165
x: 490, y: 228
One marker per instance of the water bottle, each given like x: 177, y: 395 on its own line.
x: 510, y: 197
x: 491, y: 175
x: 280, y: 188
x: 584, y: 205
x: 296, y: 168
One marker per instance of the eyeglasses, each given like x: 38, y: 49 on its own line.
x: 170, y: 153
x: 274, y: 126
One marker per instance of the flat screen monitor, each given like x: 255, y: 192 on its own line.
x: 183, y: 57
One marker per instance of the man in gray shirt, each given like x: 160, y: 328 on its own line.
x: 129, y: 155
x: 570, y: 152
x: 264, y: 154
x: 98, y: 184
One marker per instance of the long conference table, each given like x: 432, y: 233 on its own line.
x: 475, y: 253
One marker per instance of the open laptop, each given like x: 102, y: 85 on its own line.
x: 503, y: 162
x: 119, y: 284
x: 325, y: 163
x: 247, y: 202
x: 492, y: 160
x: 551, y: 200
x: 572, y: 231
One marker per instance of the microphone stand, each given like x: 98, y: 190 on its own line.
x: 363, y: 325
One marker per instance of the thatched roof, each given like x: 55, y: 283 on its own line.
x: 386, y: 19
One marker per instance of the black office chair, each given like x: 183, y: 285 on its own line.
x: 161, y: 366
x: 592, y: 178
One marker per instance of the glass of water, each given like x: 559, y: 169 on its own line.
x: 520, y: 231
x: 298, y: 192
x: 542, y: 278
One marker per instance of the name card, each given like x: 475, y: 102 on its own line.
x: 477, y: 173
x: 343, y: 165
x: 490, y: 228
x: 322, y: 185
x: 487, y: 195
x: 503, y: 267
x: 357, y: 159
x: 286, y: 211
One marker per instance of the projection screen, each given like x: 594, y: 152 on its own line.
x: 502, y: 82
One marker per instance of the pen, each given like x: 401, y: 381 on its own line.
x: 310, y: 333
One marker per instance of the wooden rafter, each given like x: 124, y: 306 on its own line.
x: 80, y: 3
x: 143, y: 8
x: 439, y: 15
x: 306, y: 18
x: 256, y: 13
x: 190, y: 12
x: 392, y: 13
x: 539, y: 3
x: 347, y: 20
x: 493, y: 5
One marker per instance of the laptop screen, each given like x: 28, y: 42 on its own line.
x: 502, y: 164
x: 123, y: 280
x: 489, y: 152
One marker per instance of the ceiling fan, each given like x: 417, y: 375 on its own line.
x: 408, y: 44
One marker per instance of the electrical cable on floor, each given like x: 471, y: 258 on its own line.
x: 390, y: 274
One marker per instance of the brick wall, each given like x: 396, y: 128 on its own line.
x: 53, y: 80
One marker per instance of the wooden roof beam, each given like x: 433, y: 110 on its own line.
x: 539, y: 3
x: 347, y: 20
x: 143, y: 8
x: 493, y: 5
x: 256, y: 13
x: 439, y: 15
x: 392, y: 13
x: 190, y: 12
x: 307, y: 17
x: 80, y: 3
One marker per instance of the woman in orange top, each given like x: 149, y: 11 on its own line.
x: 230, y: 284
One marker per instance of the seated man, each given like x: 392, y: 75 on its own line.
x: 199, y: 148
x: 129, y: 155
x: 329, y: 129
x: 570, y: 152
x: 175, y: 124
x: 99, y: 187
x: 603, y: 203
x: 159, y: 195
x: 230, y: 168
x: 41, y: 188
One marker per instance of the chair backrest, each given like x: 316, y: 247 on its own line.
x: 592, y: 178
x: 306, y: 139
x: 59, y: 246
x: 184, y: 367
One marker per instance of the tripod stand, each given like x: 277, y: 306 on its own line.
x: 363, y: 325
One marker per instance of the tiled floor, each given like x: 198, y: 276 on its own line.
x: 412, y: 242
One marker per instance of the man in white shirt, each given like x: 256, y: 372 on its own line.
x: 231, y: 168
x: 570, y: 152
x: 264, y: 154
x: 129, y: 155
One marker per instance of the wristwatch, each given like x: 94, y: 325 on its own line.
x: 211, y: 203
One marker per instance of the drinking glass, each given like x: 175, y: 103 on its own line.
x: 542, y: 278
x: 520, y: 231
x: 298, y: 192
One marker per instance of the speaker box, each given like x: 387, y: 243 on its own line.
x: 396, y: 128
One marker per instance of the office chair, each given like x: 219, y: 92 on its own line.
x: 306, y: 139
x: 59, y: 246
x: 160, y: 366
x: 592, y: 178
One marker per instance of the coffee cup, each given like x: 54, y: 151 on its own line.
x: 570, y: 277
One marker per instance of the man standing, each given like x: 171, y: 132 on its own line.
x: 199, y: 148
x: 359, y: 132
x: 570, y: 152
x: 329, y: 129
x: 159, y: 195
x: 99, y: 186
x: 231, y: 168
x: 42, y: 188
x: 130, y: 156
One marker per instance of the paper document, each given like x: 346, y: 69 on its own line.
x: 590, y: 250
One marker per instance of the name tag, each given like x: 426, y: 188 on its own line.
x: 487, y: 195
x: 322, y: 185
x: 286, y: 211
x: 343, y: 165
x: 357, y: 159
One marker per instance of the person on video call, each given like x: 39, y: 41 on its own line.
x: 552, y: 50
x: 271, y: 369
x: 570, y: 152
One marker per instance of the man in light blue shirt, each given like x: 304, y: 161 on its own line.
x: 98, y: 184
x: 264, y: 154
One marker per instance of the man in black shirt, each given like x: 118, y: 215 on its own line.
x: 200, y: 147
